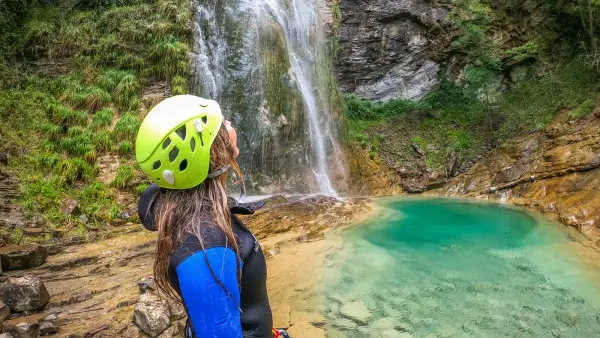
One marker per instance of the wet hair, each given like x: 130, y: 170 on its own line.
x: 180, y: 213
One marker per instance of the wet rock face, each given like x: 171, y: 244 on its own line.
x: 151, y: 314
x: 27, y: 293
x: 17, y: 257
x: 387, y: 49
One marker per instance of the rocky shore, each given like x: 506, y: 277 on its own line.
x: 103, y: 289
x: 555, y: 171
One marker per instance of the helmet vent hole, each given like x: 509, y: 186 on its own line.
x: 181, y: 132
x: 173, y: 154
x: 193, y: 144
x: 205, y: 119
x: 183, y: 165
x: 166, y: 143
x: 156, y: 165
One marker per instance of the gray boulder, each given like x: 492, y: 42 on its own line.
x: 147, y: 283
x: 26, y: 293
x: 20, y: 257
x: 151, y: 314
x: 4, y: 312
x: 22, y: 329
x: 174, y: 331
x: 6, y: 335
x: 47, y: 328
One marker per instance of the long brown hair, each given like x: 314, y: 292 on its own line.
x: 183, y: 212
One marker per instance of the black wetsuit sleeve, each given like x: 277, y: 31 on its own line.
x: 146, y: 207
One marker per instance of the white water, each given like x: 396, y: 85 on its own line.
x: 299, y: 22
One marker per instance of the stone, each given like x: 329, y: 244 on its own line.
x: 47, y: 328
x: 26, y: 327
x: 174, y: 331
x: 357, y: 311
x: 4, y: 312
x: 6, y: 335
x: 344, y: 324
x: 151, y: 314
x: 26, y: 293
x: 69, y: 206
x: 568, y: 318
x: 51, y: 318
x: 418, y: 149
x: 3, y: 158
x: 20, y: 257
x: 125, y: 215
x: 384, y: 323
x: 305, y: 330
x: 83, y: 219
x: 413, y: 187
x: 147, y: 283
x: 34, y: 232
x: 177, y: 311
x: 281, y: 316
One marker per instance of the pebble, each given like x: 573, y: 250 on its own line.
x: 568, y: 318
x: 47, y: 328
x: 344, y: 324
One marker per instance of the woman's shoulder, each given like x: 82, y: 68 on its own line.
x: 212, y: 237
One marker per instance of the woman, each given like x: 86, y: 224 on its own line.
x: 205, y: 255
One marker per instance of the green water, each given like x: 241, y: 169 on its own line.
x: 443, y: 268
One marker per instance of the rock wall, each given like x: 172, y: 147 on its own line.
x: 391, y: 49
x: 555, y: 171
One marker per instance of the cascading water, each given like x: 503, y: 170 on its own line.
x: 268, y: 64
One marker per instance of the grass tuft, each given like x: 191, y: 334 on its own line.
x: 124, y: 174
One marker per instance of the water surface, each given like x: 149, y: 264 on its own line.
x: 445, y: 268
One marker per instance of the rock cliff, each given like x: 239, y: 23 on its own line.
x: 390, y: 49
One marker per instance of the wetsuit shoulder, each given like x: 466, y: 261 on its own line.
x: 206, y: 280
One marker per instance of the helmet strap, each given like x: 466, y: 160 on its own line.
x: 219, y: 172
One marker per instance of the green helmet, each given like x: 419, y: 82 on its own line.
x: 173, y: 143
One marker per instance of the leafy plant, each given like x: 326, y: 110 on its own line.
x: 124, y: 174
x: 127, y: 127
x: 125, y: 147
x: 102, y: 118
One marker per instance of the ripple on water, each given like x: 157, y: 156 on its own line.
x: 443, y: 268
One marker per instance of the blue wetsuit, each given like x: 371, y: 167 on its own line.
x: 214, y: 311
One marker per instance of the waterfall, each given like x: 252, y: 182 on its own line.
x: 268, y: 63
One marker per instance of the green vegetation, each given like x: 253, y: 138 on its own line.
x: 455, y: 119
x: 124, y: 174
x: 71, y: 81
x: 506, y: 89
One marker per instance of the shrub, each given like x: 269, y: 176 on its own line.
x: 127, y: 127
x: 76, y: 169
x: 103, y: 140
x: 76, y: 145
x: 124, y: 175
x: 139, y: 190
x: 63, y: 115
x: 584, y: 109
x: 75, y: 131
x: 125, y: 147
x: 48, y: 160
x: 102, y: 118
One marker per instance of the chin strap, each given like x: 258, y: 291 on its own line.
x: 219, y: 172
